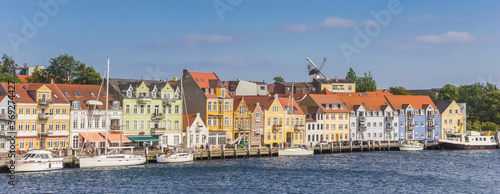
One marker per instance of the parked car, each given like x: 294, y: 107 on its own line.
x: 322, y: 143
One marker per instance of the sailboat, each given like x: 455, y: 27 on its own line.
x: 171, y: 157
x: 111, y: 160
x: 298, y: 151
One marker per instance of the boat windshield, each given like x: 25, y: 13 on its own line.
x: 38, y: 156
x: 452, y: 136
x: 29, y: 156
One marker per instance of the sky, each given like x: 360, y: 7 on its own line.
x: 414, y: 44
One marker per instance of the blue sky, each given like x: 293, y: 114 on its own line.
x: 424, y: 44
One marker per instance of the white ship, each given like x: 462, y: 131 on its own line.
x: 37, y: 160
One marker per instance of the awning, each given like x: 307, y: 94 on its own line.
x: 92, y: 137
x: 115, y: 138
x: 143, y: 138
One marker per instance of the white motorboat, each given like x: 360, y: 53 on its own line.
x: 470, y: 140
x: 38, y: 160
x: 111, y: 160
x: 412, y: 146
x: 178, y: 157
x: 296, y: 152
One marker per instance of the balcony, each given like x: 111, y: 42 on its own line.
x: 362, y: 128
x: 334, y: 90
x: 144, y: 99
x: 115, y: 128
x: 411, y: 115
x: 45, y: 133
x: 158, y: 131
x: 431, y: 117
x: 299, y: 127
x: 96, y: 112
x: 168, y: 101
x: 45, y: 102
x: 158, y: 116
x: 389, y: 119
x: 45, y: 116
x: 431, y: 127
x: 388, y: 128
x: 277, y: 127
x: 411, y: 127
x: 362, y: 119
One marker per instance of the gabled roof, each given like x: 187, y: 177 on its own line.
x: 236, y: 102
x: 86, y: 92
x: 231, y: 85
x: 187, y: 120
x: 290, y: 102
x: 122, y: 85
x: 264, y: 101
x: 442, y: 105
x: 203, y: 78
x: 321, y: 99
x: 417, y: 102
x: 270, y: 88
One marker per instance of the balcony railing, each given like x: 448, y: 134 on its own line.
x: 389, y: 128
x: 411, y: 127
x: 431, y: 117
x: 411, y: 115
x: 168, y: 101
x: 144, y: 99
x: 158, y: 116
x: 158, y: 131
x: 431, y: 127
x: 361, y: 128
x: 299, y: 127
x: 45, y: 102
x: 45, y: 116
x: 277, y: 127
x: 46, y: 132
x: 389, y: 119
x: 115, y: 128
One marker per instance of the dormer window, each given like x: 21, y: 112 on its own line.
x: 211, y: 91
x: 153, y: 94
x: 327, y: 106
x: 75, y: 105
x: 116, y: 105
x: 206, y: 90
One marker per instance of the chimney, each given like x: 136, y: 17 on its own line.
x: 275, y: 96
x: 51, y: 81
x: 197, y: 114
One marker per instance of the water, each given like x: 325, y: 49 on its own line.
x: 363, y: 172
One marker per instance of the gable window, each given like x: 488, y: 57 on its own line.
x: 76, y: 105
x: 153, y: 94
x: 242, y: 109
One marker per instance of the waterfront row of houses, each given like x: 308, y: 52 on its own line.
x: 201, y: 109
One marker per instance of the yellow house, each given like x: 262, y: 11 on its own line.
x: 294, y: 127
x: 42, y: 117
x: 451, y: 117
x: 335, y: 85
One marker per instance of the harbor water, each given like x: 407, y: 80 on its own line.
x: 362, y: 172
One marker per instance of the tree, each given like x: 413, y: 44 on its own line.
x: 489, y: 126
x: 12, y: 78
x: 65, y: 69
x: 398, y: 90
x: 278, y: 79
x: 38, y: 76
x: 448, y: 92
x: 8, y: 64
x: 490, y: 110
x: 366, y: 83
x: 433, y: 96
x: 351, y: 75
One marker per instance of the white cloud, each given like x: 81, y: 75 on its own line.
x: 449, y: 37
x: 422, y: 18
x: 334, y: 22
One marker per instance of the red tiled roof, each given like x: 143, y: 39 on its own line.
x: 23, y: 89
x: 264, y: 101
x: 417, y: 102
x: 291, y: 102
x: 270, y: 88
x: 371, y: 103
x: 203, y: 78
x: 236, y: 102
x: 23, y: 78
x: 185, y: 118
x: 85, y: 91
x: 321, y: 99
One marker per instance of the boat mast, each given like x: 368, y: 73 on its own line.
x: 107, y: 125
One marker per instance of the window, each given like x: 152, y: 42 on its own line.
x: 51, y: 126
x: 64, y: 111
x: 333, y: 126
x: 20, y: 124
x: 51, y: 143
x: 21, y: 111
x: 58, y: 127
x: 327, y: 127
x: 35, y: 111
x: 34, y: 126
x: 127, y: 109
x: 380, y: 124
x: 333, y: 117
x: 127, y: 125
x: 63, y: 142
x: 21, y: 143
x: 268, y: 121
x: 209, y: 106
x: 341, y: 117
x: 214, y: 107
x: 76, y: 105
x: 129, y: 94
x: 135, y: 124
x: 57, y: 143
x: 449, y: 111
x: 456, y: 111
x: 27, y: 126
x: 268, y: 135
x: 176, y: 124
x: 142, y: 125
x: 242, y: 109
x: 135, y: 108
x: 42, y: 127
x: 142, y: 109
x: 28, y: 111
x: 227, y: 107
x: 176, y: 111
x: 209, y: 121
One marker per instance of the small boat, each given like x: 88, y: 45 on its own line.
x: 38, y: 160
x: 112, y: 160
x: 178, y: 157
x: 300, y: 151
x: 411, y: 146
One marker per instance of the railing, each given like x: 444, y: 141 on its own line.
x: 115, y: 127
x: 97, y: 112
x: 157, y: 116
x: 277, y: 127
x: 411, y: 115
x: 158, y: 131
x: 411, y: 127
x: 48, y: 132
x: 431, y: 127
x: 45, y: 102
x: 362, y: 119
x: 431, y: 117
x: 388, y: 128
x: 144, y: 99
x: 168, y: 101
x: 299, y: 127
x: 361, y: 128
x: 45, y: 116
x: 389, y: 119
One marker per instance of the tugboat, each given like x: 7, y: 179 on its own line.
x: 470, y: 140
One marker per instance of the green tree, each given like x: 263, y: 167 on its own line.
x: 8, y: 64
x: 65, y: 69
x: 278, y: 79
x: 38, y: 76
x: 448, y: 92
x: 12, y: 78
x: 351, y: 75
x: 489, y: 126
x: 433, y: 96
x: 366, y: 83
x: 398, y: 90
x: 490, y: 110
